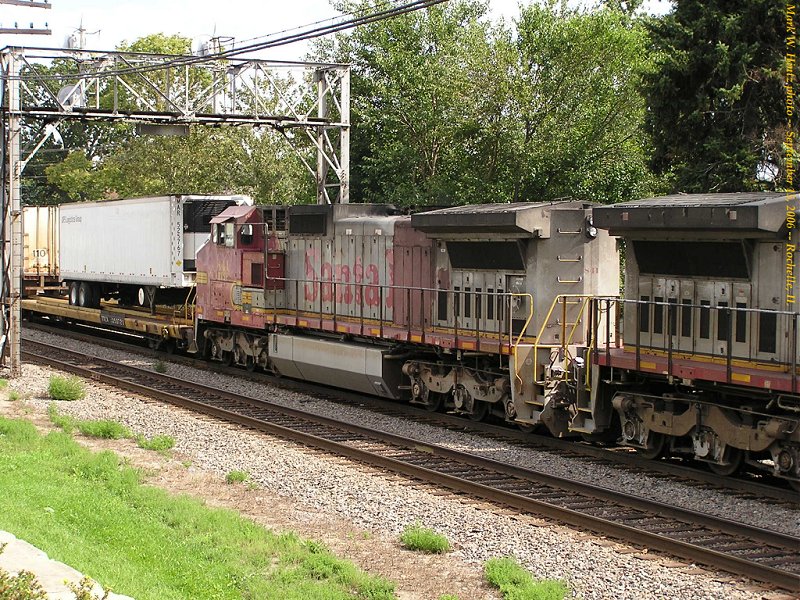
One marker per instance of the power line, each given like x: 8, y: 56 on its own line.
x: 16, y: 30
x: 315, y: 32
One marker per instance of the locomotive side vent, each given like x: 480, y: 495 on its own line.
x: 308, y: 223
x: 505, y: 256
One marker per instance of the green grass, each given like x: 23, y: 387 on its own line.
x: 109, y: 430
x: 515, y: 583
x: 65, y: 388
x: 159, y: 443
x: 237, y: 477
x: 65, y: 422
x: 417, y: 537
x: 91, y: 512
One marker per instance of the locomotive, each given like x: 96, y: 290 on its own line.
x: 708, y: 362
x: 438, y: 306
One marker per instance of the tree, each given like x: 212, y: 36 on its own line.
x: 449, y: 109
x: 716, y: 96
x: 580, y: 107
x: 425, y: 115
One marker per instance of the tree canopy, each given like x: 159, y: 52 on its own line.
x: 716, y: 95
x: 449, y: 108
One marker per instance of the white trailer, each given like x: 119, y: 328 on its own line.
x: 140, y: 250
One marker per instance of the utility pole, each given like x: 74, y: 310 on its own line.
x: 31, y: 30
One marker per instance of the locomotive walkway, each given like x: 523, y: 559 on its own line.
x: 763, y: 555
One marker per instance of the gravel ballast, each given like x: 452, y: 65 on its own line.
x: 594, y: 568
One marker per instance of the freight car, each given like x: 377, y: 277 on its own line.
x: 708, y: 364
x: 450, y: 307
x: 139, y: 250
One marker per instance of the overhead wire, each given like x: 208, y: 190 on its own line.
x: 189, y: 60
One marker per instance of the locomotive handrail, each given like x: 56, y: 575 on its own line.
x: 786, y: 357
x: 383, y: 289
x: 521, y: 332
x: 564, y: 339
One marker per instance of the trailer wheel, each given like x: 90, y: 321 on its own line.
x: 73, y: 293
x: 85, y: 295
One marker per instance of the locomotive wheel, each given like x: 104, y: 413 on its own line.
x: 250, y: 364
x: 479, y: 411
x: 735, y: 459
x: 435, y: 402
x: 655, y: 446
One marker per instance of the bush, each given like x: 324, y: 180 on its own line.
x: 515, y: 583
x: 237, y: 477
x: 66, y: 388
x: 159, y: 443
x: 109, y: 430
x: 417, y: 537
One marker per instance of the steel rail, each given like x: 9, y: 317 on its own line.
x: 621, y: 458
x: 410, y: 466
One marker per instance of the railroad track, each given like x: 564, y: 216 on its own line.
x: 747, y: 486
x: 759, y: 554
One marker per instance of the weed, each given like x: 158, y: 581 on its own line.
x: 159, y: 443
x: 66, y: 388
x: 417, y: 537
x: 366, y: 535
x: 65, y: 422
x: 515, y: 583
x: 84, y: 590
x: 186, y: 464
x: 237, y: 477
x: 160, y: 366
x: 448, y: 597
x: 3, y: 383
x: 14, y: 395
x: 109, y: 430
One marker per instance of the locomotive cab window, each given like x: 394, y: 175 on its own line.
x: 246, y: 234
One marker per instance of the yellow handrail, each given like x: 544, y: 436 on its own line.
x: 565, y: 340
x: 522, y: 331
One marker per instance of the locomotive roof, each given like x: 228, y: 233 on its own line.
x: 750, y: 211
x: 516, y: 217
x: 233, y: 212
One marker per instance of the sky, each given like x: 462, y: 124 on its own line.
x: 118, y: 20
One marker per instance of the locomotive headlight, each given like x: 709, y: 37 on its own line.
x: 590, y: 229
